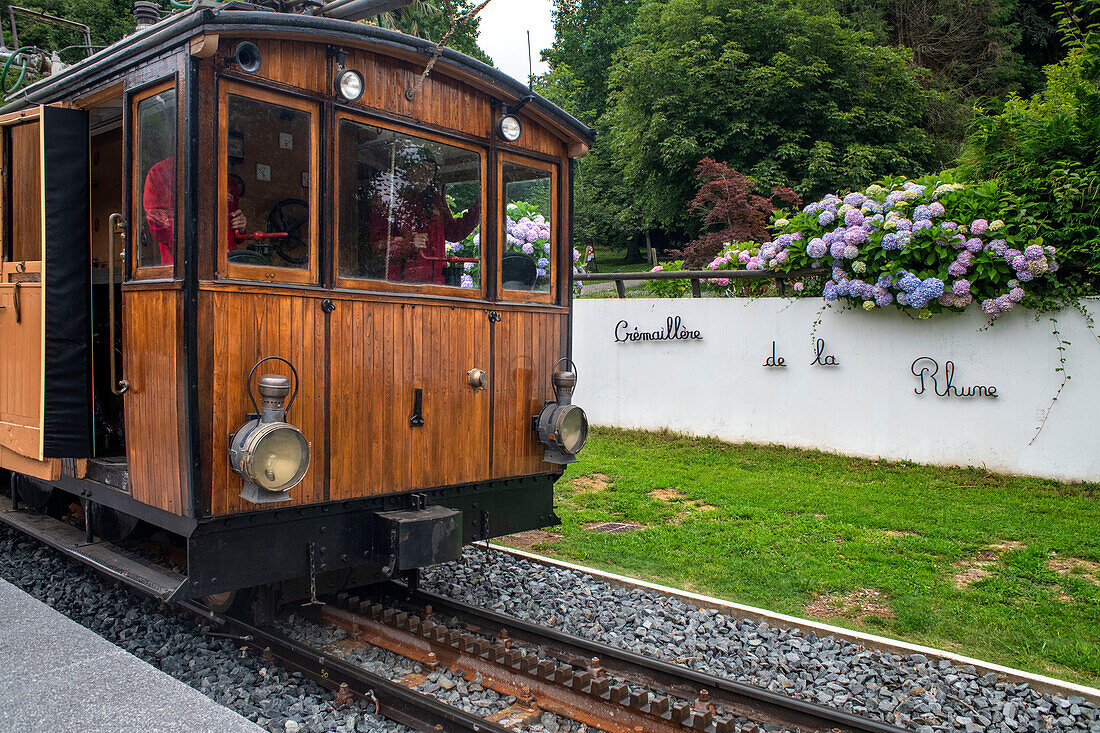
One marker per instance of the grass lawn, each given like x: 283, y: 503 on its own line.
x: 998, y: 567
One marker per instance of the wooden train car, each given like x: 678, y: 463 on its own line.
x: 269, y: 290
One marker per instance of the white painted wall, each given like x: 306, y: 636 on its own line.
x: 865, y: 406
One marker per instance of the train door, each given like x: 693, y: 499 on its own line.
x: 45, y: 367
x: 408, y: 402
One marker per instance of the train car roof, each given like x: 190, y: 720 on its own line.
x: 239, y: 18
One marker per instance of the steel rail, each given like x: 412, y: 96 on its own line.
x: 394, y: 701
x: 744, y: 699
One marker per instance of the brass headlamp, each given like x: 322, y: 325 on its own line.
x: 271, y: 455
x: 562, y: 427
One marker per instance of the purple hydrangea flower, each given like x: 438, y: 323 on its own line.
x: 978, y: 226
x: 854, y: 198
x: 1025, y: 276
x: 529, y: 248
x: 936, y: 209
x: 966, y: 257
x: 825, y: 218
x: 855, y: 236
x: 903, y: 298
x: 853, y: 217
x: 999, y: 247
x: 903, y: 225
x: 830, y: 291
x: 974, y: 245
x: 990, y: 307
x: 909, y: 282
x: 1016, y: 295
x: 961, y: 287
x: 956, y: 269
x: 1019, y: 263
x: 816, y: 248
x: 798, y: 287
x: 921, y: 212
x: 922, y: 224
x: 1033, y: 252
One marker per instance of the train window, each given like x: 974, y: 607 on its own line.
x: 155, y: 180
x: 409, y: 208
x: 269, y: 164
x: 530, y: 201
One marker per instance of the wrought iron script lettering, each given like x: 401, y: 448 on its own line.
x: 673, y: 331
x: 821, y: 358
x: 775, y: 361
x: 927, y: 370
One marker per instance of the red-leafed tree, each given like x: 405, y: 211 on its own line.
x: 736, y: 204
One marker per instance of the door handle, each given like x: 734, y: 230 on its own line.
x: 118, y: 386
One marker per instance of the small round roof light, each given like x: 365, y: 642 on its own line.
x: 349, y: 84
x: 509, y: 128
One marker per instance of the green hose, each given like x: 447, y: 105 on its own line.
x: 181, y: 5
x: 7, y: 66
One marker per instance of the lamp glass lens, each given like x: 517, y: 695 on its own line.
x: 572, y: 429
x: 351, y: 85
x: 510, y: 128
x: 279, y: 459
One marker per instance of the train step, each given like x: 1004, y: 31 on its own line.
x: 110, y: 470
x: 110, y: 559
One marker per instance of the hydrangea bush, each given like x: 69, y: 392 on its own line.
x: 923, y: 245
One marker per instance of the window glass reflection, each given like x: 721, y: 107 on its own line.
x: 155, y: 130
x: 528, y: 255
x: 269, y: 153
x: 409, y: 209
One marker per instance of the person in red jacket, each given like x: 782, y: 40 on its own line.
x: 159, y: 200
x: 414, y: 224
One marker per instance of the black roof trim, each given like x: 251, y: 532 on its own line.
x: 227, y: 21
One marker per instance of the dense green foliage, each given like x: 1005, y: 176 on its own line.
x: 786, y: 95
x: 1046, y: 149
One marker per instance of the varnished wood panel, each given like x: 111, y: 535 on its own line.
x: 442, y: 100
x: 21, y: 362
x: 26, y: 192
x: 246, y: 327
x: 526, y: 345
x: 153, y: 364
x: 380, y: 354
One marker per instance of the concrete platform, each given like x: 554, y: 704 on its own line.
x: 56, y: 675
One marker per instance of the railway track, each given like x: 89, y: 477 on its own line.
x: 550, y: 671
x: 544, y: 669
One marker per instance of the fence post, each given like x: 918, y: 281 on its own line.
x: 620, y: 288
x: 696, y: 291
x: 782, y: 287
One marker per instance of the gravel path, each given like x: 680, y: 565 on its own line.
x: 910, y: 691
x: 271, y: 697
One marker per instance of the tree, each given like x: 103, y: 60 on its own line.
x: 790, y: 96
x: 734, y: 202
x: 587, y: 34
x: 1045, y: 150
x: 431, y: 21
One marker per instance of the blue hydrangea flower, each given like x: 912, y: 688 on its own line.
x: 909, y: 283
x: 825, y: 218
x: 816, y: 248
x: 890, y: 241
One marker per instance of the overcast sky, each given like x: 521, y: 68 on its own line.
x: 503, y: 34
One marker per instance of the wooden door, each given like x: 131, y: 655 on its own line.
x: 380, y: 354
x: 45, y: 365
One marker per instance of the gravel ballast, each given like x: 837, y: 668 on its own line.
x: 910, y: 691
x: 271, y: 697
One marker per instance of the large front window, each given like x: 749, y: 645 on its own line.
x: 269, y: 196
x: 409, y: 208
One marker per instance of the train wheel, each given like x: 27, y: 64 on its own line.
x: 112, y: 525
x: 221, y: 602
